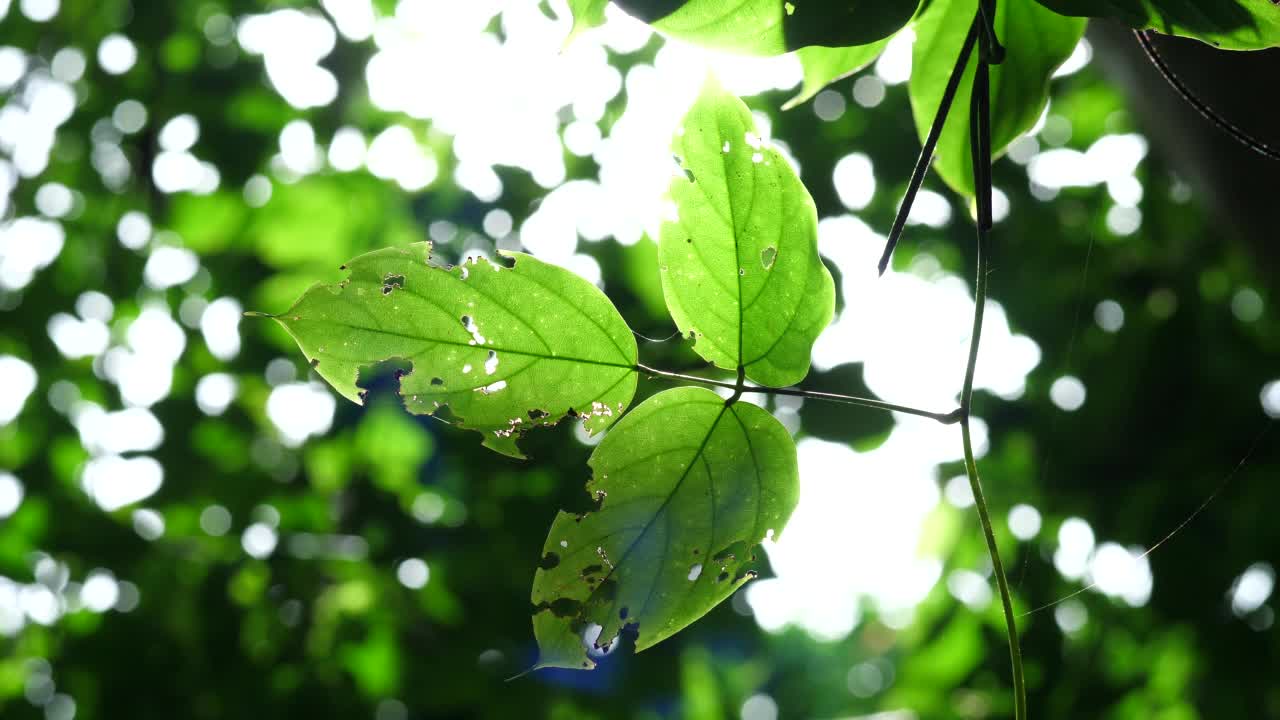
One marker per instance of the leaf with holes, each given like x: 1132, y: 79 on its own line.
x: 772, y: 27
x: 504, y: 349
x: 740, y: 266
x: 685, y: 487
x: 1037, y: 40
x: 1227, y: 24
x: 823, y: 66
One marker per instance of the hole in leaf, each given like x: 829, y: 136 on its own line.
x: 491, y: 364
x: 622, y: 614
x: 549, y: 561
x: 723, y: 576
x: 768, y: 256
x: 469, y: 324
x: 437, y: 381
x: 590, y: 570
x: 536, y: 414
x: 695, y: 571
x: 392, y: 282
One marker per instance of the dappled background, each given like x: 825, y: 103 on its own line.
x: 192, y: 524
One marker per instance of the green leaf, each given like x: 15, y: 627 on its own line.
x: 587, y: 14
x: 740, y: 267
x: 685, y: 488
x: 505, y: 349
x: 773, y: 27
x: 1037, y: 40
x: 823, y: 66
x: 1228, y: 24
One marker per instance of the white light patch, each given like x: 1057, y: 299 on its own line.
x: 170, y: 266
x: 1252, y: 588
x: 396, y: 155
x: 180, y: 134
x: 13, y: 65
x: 1076, y: 61
x: 1120, y: 572
x: 347, y: 149
x: 117, y: 54
x: 78, y: 338
x: 855, y: 181
x: 149, y: 524
x: 930, y: 208
x: 926, y: 368
x: 413, y: 573
x: 969, y: 588
x: 114, y: 482
x: 17, y: 382
x: 259, y: 540
x: 1024, y: 521
x: 355, y: 18
x: 298, y: 148
x: 11, y: 493
x: 116, y: 433
x: 292, y: 43
x: 215, y: 393
x: 220, y: 325
x: 1075, y: 545
x: 1109, y: 315
x: 300, y: 410
x: 1270, y: 398
x: 54, y: 200
x: 100, y: 591
x: 40, y: 10
x: 27, y: 245
x: 1068, y: 393
x: 846, y: 502
x: 894, y: 65
x: 134, y: 230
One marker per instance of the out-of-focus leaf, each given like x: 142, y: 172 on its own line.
x: 1228, y: 24
x: 1037, y: 41
x: 740, y: 266
x: 773, y: 27
x: 823, y: 66
x: 686, y: 487
x: 504, y: 349
x: 586, y: 15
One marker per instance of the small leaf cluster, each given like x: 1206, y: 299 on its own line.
x: 687, y: 484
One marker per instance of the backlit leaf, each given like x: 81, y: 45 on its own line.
x: 1037, y: 40
x: 773, y: 27
x: 1228, y: 24
x: 505, y: 349
x: 685, y: 488
x: 587, y: 14
x: 740, y: 267
x: 823, y: 66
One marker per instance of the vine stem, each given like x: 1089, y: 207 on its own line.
x: 930, y: 144
x: 949, y: 418
x: 980, y: 148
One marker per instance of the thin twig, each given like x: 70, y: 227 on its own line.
x: 930, y: 143
x: 1201, y: 106
x: 980, y: 148
x: 944, y: 418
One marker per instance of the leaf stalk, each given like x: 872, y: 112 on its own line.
x: 948, y: 418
